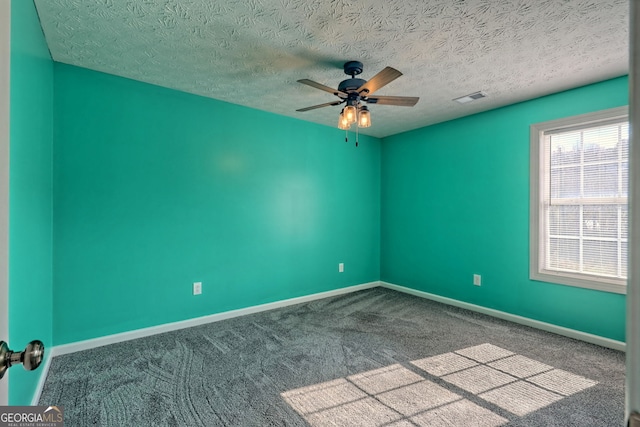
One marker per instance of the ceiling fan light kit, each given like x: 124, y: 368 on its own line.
x: 354, y: 92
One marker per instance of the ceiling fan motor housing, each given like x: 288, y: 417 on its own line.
x: 350, y: 85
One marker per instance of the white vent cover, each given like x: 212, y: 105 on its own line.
x: 471, y: 97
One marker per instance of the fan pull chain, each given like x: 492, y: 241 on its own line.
x: 357, y: 133
x: 346, y: 136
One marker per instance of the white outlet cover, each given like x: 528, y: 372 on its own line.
x: 477, y: 279
x: 197, y: 288
x: 341, y: 267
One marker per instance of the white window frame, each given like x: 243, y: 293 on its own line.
x: 536, y: 228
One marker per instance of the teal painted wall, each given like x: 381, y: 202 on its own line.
x: 30, y: 205
x: 155, y: 189
x: 455, y: 201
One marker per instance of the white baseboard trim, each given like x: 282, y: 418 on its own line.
x: 571, y: 333
x: 167, y: 327
x: 43, y: 377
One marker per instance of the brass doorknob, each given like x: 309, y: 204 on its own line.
x: 30, y: 358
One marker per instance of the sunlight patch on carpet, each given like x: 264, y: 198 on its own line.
x: 562, y: 382
x: 395, y: 396
x: 384, y: 379
x: 484, y: 353
x: 521, y: 398
x: 365, y: 412
x: 460, y: 413
x: 444, y: 364
x: 478, y: 379
x: 510, y: 381
x: 416, y: 398
x: 520, y: 366
x: 323, y: 396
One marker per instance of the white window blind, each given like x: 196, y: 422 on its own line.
x: 586, y: 204
x: 583, y: 213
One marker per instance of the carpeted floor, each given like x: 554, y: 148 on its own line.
x: 370, y: 358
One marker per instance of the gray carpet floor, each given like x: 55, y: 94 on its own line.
x: 371, y: 358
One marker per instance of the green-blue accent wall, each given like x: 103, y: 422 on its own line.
x: 155, y: 189
x: 30, y: 193
x: 455, y: 202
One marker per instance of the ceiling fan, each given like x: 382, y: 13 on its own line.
x: 355, y: 91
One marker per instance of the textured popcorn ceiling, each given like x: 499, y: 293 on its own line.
x: 251, y: 52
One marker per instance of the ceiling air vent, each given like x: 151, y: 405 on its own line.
x: 471, y: 97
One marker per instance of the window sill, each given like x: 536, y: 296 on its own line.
x: 612, y: 285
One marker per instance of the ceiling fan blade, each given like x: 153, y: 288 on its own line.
x: 404, y: 101
x: 323, y: 87
x: 381, y: 79
x: 327, y: 104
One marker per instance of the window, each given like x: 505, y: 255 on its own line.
x: 579, y: 213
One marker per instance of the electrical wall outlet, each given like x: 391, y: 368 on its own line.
x: 477, y: 279
x: 341, y: 267
x: 197, y: 288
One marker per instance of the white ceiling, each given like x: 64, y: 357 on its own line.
x: 252, y: 52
